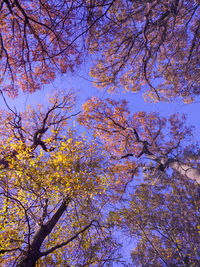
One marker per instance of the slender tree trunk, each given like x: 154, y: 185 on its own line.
x: 33, y: 253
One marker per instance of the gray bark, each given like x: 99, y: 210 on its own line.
x: 186, y: 170
x: 178, y: 166
x: 164, y: 162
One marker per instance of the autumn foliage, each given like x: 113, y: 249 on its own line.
x: 65, y: 195
x: 37, y: 42
x: 141, y: 138
x: 139, y: 45
x: 163, y: 219
x: 154, y: 161
x: 150, y: 46
x: 53, y: 190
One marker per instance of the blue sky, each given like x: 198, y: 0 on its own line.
x: 82, y: 82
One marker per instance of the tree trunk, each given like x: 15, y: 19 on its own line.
x: 186, y: 170
x: 33, y: 253
x: 178, y: 166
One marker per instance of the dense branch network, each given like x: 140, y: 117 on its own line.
x: 41, y: 39
x: 52, y: 188
x: 149, y: 44
x: 54, y: 118
x: 140, y: 136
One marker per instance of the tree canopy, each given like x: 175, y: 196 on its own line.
x: 136, y: 43
x: 53, y: 190
x: 156, y: 165
x: 64, y: 193
x: 141, y: 139
x: 41, y: 39
x: 151, y: 46
x: 164, y: 221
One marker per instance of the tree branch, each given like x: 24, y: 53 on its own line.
x: 45, y: 229
x: 33, y: 254
x: 68, y: 241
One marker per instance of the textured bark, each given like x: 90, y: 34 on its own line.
x: 178, y: 166
x: 186, y: 170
